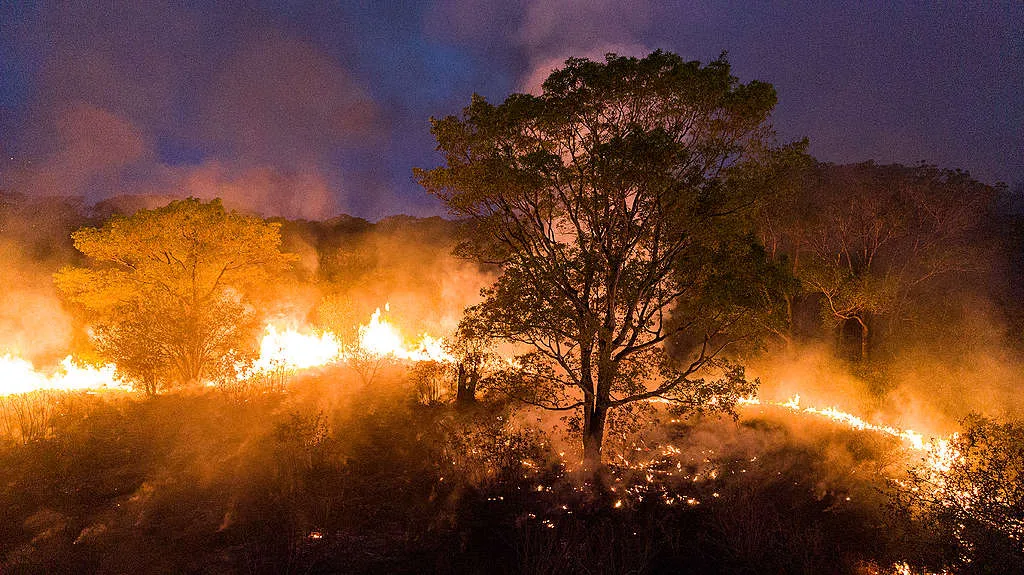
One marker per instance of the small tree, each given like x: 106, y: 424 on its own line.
x: 615, y: 207
x: 475, y: 359
x: 169, y: 289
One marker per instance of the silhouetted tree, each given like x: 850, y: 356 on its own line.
x: 872, y: 236
x: 614, y: 205
x: 475, y: 359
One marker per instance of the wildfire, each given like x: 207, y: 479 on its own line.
x: 292, y: 350
x: 287, y: 350
x: 282, y: 350
x: 18, y: 375
x: 381, y: 338
x: 939, y: 453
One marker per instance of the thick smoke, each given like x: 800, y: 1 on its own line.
x: 33, y: 323
x: 35, y: 240
x: 149, y: 98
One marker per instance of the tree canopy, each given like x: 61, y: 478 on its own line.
x: 868, y: 239
x: 616, y: 205
x: 169, y: 289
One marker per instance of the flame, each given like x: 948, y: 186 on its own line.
x: 282, y: 350
x: 290, y: 350
x: 18, y: 375
x: 938, y: 451
x: 381, y: 338
x: 293, y: 350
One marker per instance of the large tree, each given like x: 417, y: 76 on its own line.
x: 168, y: 290
x: 614, y: 204
x: 870, y: 239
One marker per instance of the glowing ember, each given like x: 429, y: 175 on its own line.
x: 18, y: 375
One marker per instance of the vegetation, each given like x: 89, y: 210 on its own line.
x: 978, y: 504
x: 640, y: 239
x: 612, y: 204
x: 169, y: 289
x: 350, y: 482
x: 868, y: 240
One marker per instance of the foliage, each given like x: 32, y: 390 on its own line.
x: 615, y: 204
x: 170, y: 289
x: 978, y: 503
x: 871, y: 238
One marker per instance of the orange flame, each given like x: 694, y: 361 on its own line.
x: 293, y: 350
x: 379, y: 337
x: 18, y: 375
x: 939, y: 452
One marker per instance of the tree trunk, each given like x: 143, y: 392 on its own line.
x: 863, y: 339
x: 465, y: 385
x: 594, y: 417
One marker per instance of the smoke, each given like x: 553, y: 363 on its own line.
x: 408, y: 264
x: 554, y: 31
x: 35, y: 240
x: 928, y: 383
x: 542, y: 35
x: 32, y: 322
x: 150, y: 98
x: 303, y: 191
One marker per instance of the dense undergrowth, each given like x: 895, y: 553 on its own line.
x: 331, y: 477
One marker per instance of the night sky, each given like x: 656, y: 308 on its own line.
x: 311, y: 108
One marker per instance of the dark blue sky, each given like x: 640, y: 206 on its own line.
x: 312, y: 108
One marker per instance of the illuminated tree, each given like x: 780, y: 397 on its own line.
x: 169, y: 289
x: 614, y: 204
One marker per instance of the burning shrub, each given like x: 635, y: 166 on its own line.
x: 976, y: 500
x: 27, y: 417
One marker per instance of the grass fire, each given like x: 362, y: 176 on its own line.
x: 636, y: 325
